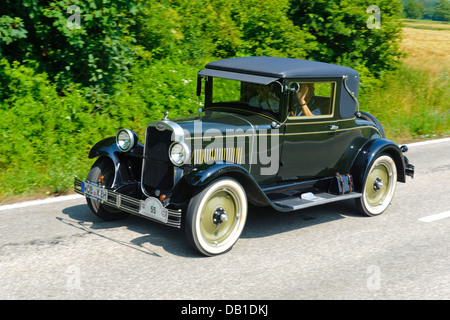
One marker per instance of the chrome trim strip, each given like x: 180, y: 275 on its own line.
x: 252, y: 144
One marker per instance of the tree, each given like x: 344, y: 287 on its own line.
x: 414, y: 9
x: 343, y: 35
x: 96, y: 52
x: 442, y: 10
x: 195, y: 30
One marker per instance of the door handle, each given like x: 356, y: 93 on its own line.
x: 333, y: 127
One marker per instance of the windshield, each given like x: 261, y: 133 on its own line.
x: 252, y: 96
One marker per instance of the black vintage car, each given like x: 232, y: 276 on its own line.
x: 277, y: 132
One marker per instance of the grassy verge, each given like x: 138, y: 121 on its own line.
x: 411, y: 104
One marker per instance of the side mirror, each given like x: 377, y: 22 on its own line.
x: 294, y: 87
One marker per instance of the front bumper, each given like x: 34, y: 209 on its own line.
x: 130, y: 205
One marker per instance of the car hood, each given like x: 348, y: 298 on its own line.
x: 211, y: 123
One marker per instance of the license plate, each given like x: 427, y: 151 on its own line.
x: 94, y: 191
x: 152, y: 208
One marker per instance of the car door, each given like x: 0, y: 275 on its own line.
x: 308, y: 141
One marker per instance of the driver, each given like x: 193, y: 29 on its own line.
x: 308, y: 104
x: 304, y: 97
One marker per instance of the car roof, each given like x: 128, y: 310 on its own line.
x: 279, y: 68
x: 264, y: 70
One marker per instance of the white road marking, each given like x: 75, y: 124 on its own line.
x: 38, y: 202
x: 423, y: 143
x: 435, y: 217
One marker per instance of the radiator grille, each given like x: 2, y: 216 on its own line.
x: 158, y: 169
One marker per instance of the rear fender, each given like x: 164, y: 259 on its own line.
x: 369, y: 152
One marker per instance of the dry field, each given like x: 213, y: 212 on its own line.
x: 427, y: 46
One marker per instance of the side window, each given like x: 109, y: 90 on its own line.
x: 311, y: 99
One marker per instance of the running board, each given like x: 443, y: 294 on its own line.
x: 311, y: 200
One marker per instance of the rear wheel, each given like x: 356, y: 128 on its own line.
x: 379, y: 186
x: 103, y: 169
x: 216, y: 217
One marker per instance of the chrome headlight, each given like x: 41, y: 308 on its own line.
x: 126, y: 140
x: 179, y: 153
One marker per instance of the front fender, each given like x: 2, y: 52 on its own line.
x: 108, y: 148
x: 369, y: 152
x: 205, y: 173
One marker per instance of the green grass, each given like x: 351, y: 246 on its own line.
x: 411, y: 104
x: 426, y: 24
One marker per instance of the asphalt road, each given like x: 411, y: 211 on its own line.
x: 60, y: 250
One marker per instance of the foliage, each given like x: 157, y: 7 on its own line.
x: 269, y: 31
x: 412, y: 103
x: 340, y: 28
x: 197, y: 31
x: 414, y: 9
x: 96, y: 52
x: 427, y: 9
x: 442, y: 11
x: 11, y: 29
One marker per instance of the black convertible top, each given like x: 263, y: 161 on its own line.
x: 264, y: 70
x: 274, y: 67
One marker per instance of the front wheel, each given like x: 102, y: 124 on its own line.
x: 216, y: 216
x: 379, y: 186
x: 103, y: 171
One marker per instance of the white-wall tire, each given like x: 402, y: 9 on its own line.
x: 379, y: 186
x: 216, y: 216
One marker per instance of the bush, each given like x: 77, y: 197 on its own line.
x: 45, y: 133
x: 97, y: 54
x: 49, y: 135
